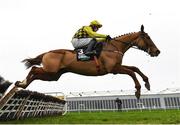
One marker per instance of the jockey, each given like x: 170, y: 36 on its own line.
x: 87, y: 36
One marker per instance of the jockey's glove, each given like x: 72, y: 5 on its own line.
x: 108, y: 38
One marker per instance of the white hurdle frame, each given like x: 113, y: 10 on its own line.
x: 19, y: 104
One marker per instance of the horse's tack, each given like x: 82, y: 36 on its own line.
x: 97, y: 64
x: 130, y: 42
x: 114, y: 51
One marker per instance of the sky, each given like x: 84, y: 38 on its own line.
x: 31, y: 27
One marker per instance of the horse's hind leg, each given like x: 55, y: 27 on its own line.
x: 123, y: 70
x: 30, y: 77
x: 38, y: 73
x: 144, y: 77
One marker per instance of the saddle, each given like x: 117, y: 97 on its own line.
x: 82, y: 57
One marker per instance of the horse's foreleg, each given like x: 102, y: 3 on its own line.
x: 144, y: 77
x: 123, y: 70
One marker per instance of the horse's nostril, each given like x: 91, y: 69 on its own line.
x: 157, y: 52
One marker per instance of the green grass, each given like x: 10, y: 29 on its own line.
x: 131, y: 117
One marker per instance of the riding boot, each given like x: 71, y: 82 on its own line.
x: 90, y: 50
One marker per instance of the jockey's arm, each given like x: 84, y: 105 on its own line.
x: 91, y: 33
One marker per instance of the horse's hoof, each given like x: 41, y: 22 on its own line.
x: 19, y: 84
x: 137, y: 94
x: 147, y: 85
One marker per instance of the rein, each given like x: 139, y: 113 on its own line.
x: 132, y: 45
x: 114, y: 51
x: 117, y: 51
x: 129, y: 43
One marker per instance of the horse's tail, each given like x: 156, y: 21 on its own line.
x: 33, y: 61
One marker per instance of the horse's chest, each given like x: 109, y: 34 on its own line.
x: 109, y: 63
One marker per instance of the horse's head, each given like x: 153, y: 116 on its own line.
x: 145, y: 43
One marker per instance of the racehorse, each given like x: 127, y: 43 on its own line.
x: 57, y: 62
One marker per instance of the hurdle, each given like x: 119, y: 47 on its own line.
x: 20, y: 104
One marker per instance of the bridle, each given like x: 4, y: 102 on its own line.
x: 133, y: 45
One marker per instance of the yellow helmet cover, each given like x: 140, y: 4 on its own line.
x: 96, y: 23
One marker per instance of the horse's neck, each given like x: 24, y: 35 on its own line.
x: 124, y: 42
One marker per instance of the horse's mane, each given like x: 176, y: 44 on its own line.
x: 123, y: 35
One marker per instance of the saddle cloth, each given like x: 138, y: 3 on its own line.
x: 82, y: 57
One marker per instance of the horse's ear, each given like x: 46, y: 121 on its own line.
x: 142, y: 28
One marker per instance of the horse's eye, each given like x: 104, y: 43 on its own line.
x: 142, y: 36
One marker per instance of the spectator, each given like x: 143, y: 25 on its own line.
x: 119, y: 104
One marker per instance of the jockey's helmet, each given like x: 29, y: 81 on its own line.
x: 96, y: 23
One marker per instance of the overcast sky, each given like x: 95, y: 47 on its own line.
x: 31, y: 27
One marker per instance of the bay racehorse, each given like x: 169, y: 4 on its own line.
x: 57, y: 62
